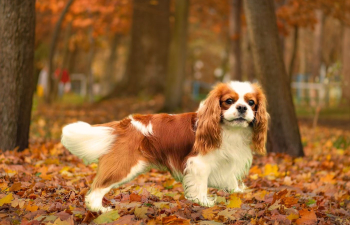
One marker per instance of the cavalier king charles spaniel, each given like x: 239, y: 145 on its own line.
x: 207, y: 148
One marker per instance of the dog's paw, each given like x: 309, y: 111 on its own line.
x: 203, y: 201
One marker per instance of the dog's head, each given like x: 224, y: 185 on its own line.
x: 233, y: 104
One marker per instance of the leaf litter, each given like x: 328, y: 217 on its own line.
x: 45, y: 184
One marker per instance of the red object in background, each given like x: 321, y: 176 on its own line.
x: 65, y: 75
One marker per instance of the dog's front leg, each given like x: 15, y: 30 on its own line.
x: 234, y: 185
x: 195, y: 182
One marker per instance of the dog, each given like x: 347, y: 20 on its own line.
x: 207, y: 148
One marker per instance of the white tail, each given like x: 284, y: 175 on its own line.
x: 87, y: 142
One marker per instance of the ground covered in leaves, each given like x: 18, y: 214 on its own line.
x: 45, y: 184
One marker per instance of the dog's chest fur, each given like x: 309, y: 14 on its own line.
x: 233, y: 158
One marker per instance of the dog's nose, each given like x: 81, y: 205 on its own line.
x: 241, y: 108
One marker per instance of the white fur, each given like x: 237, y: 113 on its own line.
x: 222, y: 168
x: 145, y: 130
x: 94, y: 199
x: 241, y: 88
x: 87, y: 142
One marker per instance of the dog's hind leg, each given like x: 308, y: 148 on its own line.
x: 112, y: 172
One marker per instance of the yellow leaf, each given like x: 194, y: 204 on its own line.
x: 7, y: 199
x: 293, y: 216
x: 235, y: 202
x: 254, y: 176
x: 271, y: 171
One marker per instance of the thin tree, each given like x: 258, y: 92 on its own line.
x: 149, y: 48
x: 235, y: 39
x: 52, y: 84
x: 283, y: 133
x: 17, y: 29
x: 177, y: 58
x: 346, y: 65
x: 317, y: 48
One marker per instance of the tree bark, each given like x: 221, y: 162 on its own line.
x: 294, y: 53
x: 177, y: 58
x: 17, y: 30
x: 109, y: 74
x: 346, y: 65
x: 148, y: 56
x: 90, y: 94
x: 284, y: 133
x: 52, y: 82
x: 317, y: 48
x: 235, y: 39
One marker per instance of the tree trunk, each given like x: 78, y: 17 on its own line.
x: 283, y: 134
x: 317, y: 48
x: 148, y: 56
x: 235, y: 39
x: 17, y: 29
x: 52, y: 82
x: 177, y: 58
x: 109, y: 74
x: 90, y: 94
x: 346, y: 65
x: 294, y: 53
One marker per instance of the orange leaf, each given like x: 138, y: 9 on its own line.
x: 174, y: 220
x: 32, y: 207
x: 307, y: 217
x: 15, y: 187
x: 135, y: 198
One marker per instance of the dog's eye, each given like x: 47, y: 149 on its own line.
x: 251, y: 102
x: 229, y: 101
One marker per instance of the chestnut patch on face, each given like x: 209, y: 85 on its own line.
x: 226, y: 98
x: 251, y: 97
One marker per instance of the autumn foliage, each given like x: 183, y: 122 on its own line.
x: 46, y: 184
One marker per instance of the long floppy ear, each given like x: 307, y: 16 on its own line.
x: 260, y: 124
x: 208, y: 133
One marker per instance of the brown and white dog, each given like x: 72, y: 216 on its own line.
x: 207, y: 148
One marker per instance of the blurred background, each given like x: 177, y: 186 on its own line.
x: 110, y: 58
x: 97, y: 50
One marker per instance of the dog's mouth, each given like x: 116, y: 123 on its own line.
x: 240, y: 119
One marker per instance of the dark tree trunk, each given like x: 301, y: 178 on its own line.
x: 283, y: 134
x: 177, y: 58
x: 148, y: 56
x: 235, y: 39
x: 294, y: 53
x: 317, y: 51
x: 346, y: 66
x: 52, y: 84
x: 17, y: 29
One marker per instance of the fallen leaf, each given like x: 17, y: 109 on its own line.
x: 235, y: 202
x: 15, y: 187
x: 307, y: 217
x: 141, y: 212
x: 107, y: 217
x: 7, y: 199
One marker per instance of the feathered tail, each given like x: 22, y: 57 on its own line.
x: 87, y: 142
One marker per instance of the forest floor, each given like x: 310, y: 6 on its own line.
x: 45, y: 184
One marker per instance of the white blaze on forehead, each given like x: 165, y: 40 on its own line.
x: 241, y: 88
x: 145, y: 130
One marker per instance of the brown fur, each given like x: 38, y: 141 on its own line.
x: 260, y: 124
x: 208, y: 135
x: 172, y: 141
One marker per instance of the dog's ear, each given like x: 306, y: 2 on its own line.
x: 260, y: 124
x: 208, y: 133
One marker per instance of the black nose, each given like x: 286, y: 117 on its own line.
x: 241, y: 108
